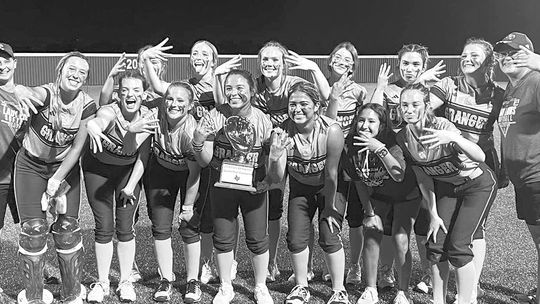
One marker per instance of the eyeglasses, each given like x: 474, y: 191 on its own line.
x: 504, y: 54
x: 346, y: 60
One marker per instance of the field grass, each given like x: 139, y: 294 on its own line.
x: 510, y: 265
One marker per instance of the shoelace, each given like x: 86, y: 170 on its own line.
x: 192, y: 287
x: 164, y: 285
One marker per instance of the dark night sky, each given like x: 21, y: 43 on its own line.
x: 309, y: 27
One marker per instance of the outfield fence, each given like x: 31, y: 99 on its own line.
x: 38, y: 68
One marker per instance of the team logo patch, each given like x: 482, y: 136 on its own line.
x: 507, y: 115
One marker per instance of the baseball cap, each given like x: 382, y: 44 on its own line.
x: 513, y: 41
x: 6, y: 48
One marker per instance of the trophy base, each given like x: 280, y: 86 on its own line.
x: 235, y: 187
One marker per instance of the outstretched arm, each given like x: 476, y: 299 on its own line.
x: 220, y: 73
x: 105, y: 97
x: 382, y: 83
x: 300, y: 63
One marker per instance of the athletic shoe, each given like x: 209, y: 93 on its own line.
x: 126, y: 292
x: 424, y: 286
x: 47, y: 297
x: 479, y: 293
x: 234, y: 269
x: 298, y: 295
x: 310, y: 276
x: 354, y: 275
x: 98, y: 291
x: 339, y: 297
x: 262, y: 295
x: 272, y: 273
x: 161, y: 276
x: 193, y: 292
x: 225, y: 294
x: 369, y: 296
x: 386, y: 277
x: 208, y: 273
x: 135, y: 275
x: 163, y: 291
x: 402, y: 298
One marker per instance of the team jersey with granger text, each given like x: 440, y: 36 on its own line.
x: 203, y: 98
x: 275, y: 104
x: 306, y: 159
x: 223, y: 148
x: 119, y: 152
x: 174, y: 148
x: 42, y: 141
x: 444, y: 162
x: 472, y: 113
x: 12, y: 127
x: 348, y: 103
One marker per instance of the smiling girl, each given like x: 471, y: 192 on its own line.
x: 388, y: 192
x: 458, y: 201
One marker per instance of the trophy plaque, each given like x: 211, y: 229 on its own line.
x: 237, y: 172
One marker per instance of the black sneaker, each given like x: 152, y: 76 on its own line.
x: 193, y: 292
x: 163, y: 291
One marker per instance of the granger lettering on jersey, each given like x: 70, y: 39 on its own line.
x: 447, y: 166
x: 507, y: 115
x: 308, y: 167
x: 178, y: 161
x: 224, y: 150
x: 44, y: 129
x: 468, y: 120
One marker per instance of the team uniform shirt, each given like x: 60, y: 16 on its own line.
x: 203, y: 98
x: 307, y: 158
x: 222, y: 146
x: 275, y: 104
x: 445, y: 162
x: 173, y: 149
x: 42, y: 141
x: 373, y: 173
x: 116, y: 152
x: 391, y: 95
x: 519, y: 122
x: 12, y: 127
x: 348, y: 103
x: 473, y: 114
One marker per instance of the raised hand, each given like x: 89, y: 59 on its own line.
x: 437, y: 137
x: 145, y: 124
x: 432, y: 75
x: 205, y: 127
x: 527, y: 58
x: 298, y: 62
x: 384, y: 75
x: 158, y: 51
x: 229, y: 65
x: 96, y: 135
x: 367, y: 142
x: 119, y: 66
x: 341, y: 86
x: 280, y: 142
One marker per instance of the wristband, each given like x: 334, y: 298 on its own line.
x: 187, y: 208
x: 197, y: 147
x: 381, y: 152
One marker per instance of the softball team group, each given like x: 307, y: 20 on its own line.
x: 418, y: 155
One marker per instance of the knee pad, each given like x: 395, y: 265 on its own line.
x: 32, y: 246
x: 68, y: 241
x: 329, y: 241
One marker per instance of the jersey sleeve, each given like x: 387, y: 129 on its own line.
x: 89, y: 108
x: 443, y: 89
x: 360, y: 93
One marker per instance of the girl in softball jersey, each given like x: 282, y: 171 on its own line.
x: 312, y: 164
x: 173, y: 170
x: 112, y: 171
x: 388, y: 190
x: 49, y: 161
x: 459, y: 200
x: 472, y: 102
x: 211, y: 146
x: 345, y: 98
x: 413, y: 61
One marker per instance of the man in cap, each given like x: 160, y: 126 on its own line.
x: 519, y: 122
